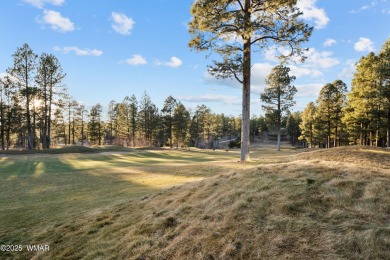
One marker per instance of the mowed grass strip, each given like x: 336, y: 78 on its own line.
x: 328, y: 204
x: 43, y: 191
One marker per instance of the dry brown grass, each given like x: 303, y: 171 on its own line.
x: 293, y: 211
x: 327, y: 204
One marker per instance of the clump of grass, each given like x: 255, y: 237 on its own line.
x: 170, y: 222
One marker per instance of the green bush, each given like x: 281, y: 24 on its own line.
x: 235, y: 144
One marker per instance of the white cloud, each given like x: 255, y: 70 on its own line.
x: 364, y: 44
x: 41, y: 3
x: 122, y: 24
x: 173, y: 63
x: 136, y: 60
x: 78, y: 51
x: 315, y: 61
x: 369, y: 6
x: 329, y: 42
x: 227, y: 100
x: 375, y: 5
x: 300, y: 71
x: 365, y: 7
x: 309, y: 90
x: 57, y: 22
x: 348, y: 70
x: 312, y: 13
x: 321, y: 59
x: 271, y: 54
x: 260, y: 72
x: 209, y: 79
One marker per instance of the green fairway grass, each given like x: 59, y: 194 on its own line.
x: 42, y: 191
x: 191, y: 203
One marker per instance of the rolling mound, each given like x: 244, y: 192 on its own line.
x: 312, y: 208
x: 359, y: 155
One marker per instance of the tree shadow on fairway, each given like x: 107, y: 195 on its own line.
x: 56, y: 199
x: 45, y: 198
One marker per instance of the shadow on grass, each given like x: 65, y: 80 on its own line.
x: 44, y: 197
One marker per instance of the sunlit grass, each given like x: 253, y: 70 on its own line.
x: 204, y: 204
x: 42, y: 191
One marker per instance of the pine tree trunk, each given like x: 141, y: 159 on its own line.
x: 34, y: 128
x: 371, y: 142
x: 99, y: 135
x: 311, y: 136
x: 8, y: 135
x: 48, y: 137
x: 82, y: 129
x: 279, y: 121
x: 388, y: 128
x: 2, y: 122
x: 246, y: 85
x: 377, y: 137
x: 73, y: 131
x: 328, y: 137
x: 44, y: 116
x: 133, y: 134
x: 69, y: 126
x: 170, y: 131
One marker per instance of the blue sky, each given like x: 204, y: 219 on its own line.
x: 114, y: 48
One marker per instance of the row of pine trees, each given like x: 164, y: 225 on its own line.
x: 361, y: 116
x: 36, y: 112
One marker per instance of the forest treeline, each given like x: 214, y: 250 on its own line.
x: 361, y: 116
x: 36, y: 112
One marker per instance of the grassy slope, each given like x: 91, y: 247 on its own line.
x: 328, y: 204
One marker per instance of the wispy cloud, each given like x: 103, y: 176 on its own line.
x: 321, y: 59
x: 227, y: 100
x: 41, y: 3
x: 329, y: 42
x: 364, y: 44
x: 259, y: 73
x: 173, y: 63
x: 122, y: 24
x: 371, y: 5
x: 309, y: 90
x: 376, y: 6
x: 315, y: 62
x: 312, y: 13
x: 348, y: 70
x: 300, y: 71
x: 136, y: 60
x: 78, y: 51
x: 57, y: 22
x: 385, y: 11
